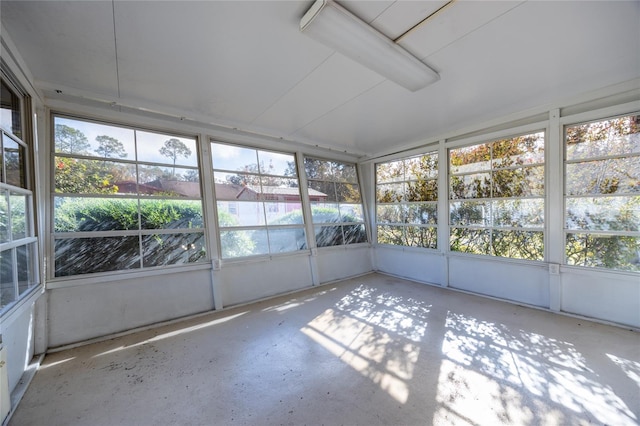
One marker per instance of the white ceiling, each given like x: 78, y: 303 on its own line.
x: 245, y: 64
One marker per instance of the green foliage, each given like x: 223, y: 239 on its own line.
x: 98, y: 214
x: 74, y: 176
x: 604, y: 251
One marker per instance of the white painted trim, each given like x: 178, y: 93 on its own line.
x: 99, y: 278
x: 601, y: 113
x: 114, y: 110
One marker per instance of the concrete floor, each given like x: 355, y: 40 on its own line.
x: 367, y: 351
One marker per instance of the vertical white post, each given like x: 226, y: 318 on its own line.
x: 367, y: 181
x: 210, y: 217
x: 554, y: 214
x: 443, y: 209
x: 308, y: 223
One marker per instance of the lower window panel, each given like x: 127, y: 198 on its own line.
x: 513, y: 244
x: 173, y: 249
x: 7, y: 285
x: 75, y: 256
x: 410, y: 236
x: 618, y: 252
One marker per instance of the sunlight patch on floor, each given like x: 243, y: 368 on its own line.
x: 376, y: 334
x: 174, y: 333
x: 489, y: 365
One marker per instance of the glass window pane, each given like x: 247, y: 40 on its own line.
x: 392, y: 171
x: 26, y: 259
x: 603, y: 138
x: 75, y: 256
x: 351, y: 213
x: 390, y: 213
x: 390, y: 192
x: 422, y: 213
x: 527, y: 245
x: 7, y: 285
x: 243, y: 243
x: 322, y: 191
x: 470, y: 159
x: 233, y: 188
x: 168, y: 181
x: 240, y: 213
x: 418, y: 236
x: 390, y: 235
x: 527, y: 213
x: 274, y: 163
x: 18, y: 203
x: 234, y: 158
x: 422, y: 190
x: 173, y: 249
x: 325, y: 213
x: 170, y: 214
x: 167, y: 149
x: 470, y: 186
x: 317, y: 169
x: 522, y: 182
x: 278, y: 189
x: 94, y: 214
x: 283, y: 213
x: 354, y: 234
x: 4, y: 216
x: 78, y: 176
x: 14, y: 162
x: 342, y: 172
x: 604, y: 213
x: 93, y: 139
x: 423, y: 167
x: 470, y: 213
x: 604, y: 251
x: 476, y: 241
x: 285, y: 240
x: 611, y: 176
x: 348, y: 193
x: 521, y: 150
x: 10, y: 117
x: 327, y: 236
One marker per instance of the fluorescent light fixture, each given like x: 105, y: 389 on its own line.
x: 334, y: 26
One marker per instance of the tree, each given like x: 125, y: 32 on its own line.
x: 70, y: 140
x: 173, y: 149
x: 109, y: 147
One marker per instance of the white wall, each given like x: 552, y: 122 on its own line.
x: 89, y: 310
x: 414, y: 264
x: 18, y: 337
x: 610, y: 296
x: 244, y: 281
x: 336, y: 263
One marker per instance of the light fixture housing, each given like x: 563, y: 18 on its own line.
x: 334, y: 26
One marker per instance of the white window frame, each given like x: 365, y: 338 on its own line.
x: 140, y: 233
x: 586, y: 118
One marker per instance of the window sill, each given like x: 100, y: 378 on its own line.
x: 98, y: 278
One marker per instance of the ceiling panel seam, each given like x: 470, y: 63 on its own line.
x: 473, y: 31
x: 422, y: 21
x: 296, y: 84
x: 339, y: 106
x: 115, y: 45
